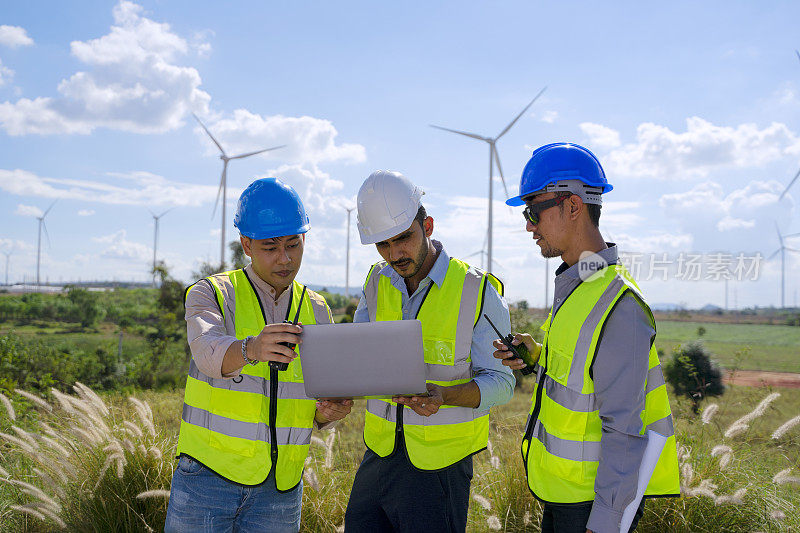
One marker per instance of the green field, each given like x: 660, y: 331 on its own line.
x: 766, y: 347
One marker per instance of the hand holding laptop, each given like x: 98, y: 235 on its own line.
x: 426, y: 405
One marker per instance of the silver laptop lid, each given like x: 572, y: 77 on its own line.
x: 376, y: 359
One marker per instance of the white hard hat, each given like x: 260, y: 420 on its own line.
x: 387, y: 204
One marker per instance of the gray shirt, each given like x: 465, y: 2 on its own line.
x: 495, y: 381
x: 619, y: 374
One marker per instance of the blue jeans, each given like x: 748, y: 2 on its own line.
x: 203, y: 501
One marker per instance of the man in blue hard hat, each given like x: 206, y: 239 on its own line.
x: 600, y: 400
x: 247, y: 423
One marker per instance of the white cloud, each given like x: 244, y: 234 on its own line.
x: 308, y: 139
x: 145, y: 189
x: 5, y: 74
x: 86, y: 212
x: 119, y: 247
x: 743, y: 218
x: 730, y: 223
x: 14, y: 36
x: 28, y: 211
x: 660, y: 153
x: 10, y: 245
x: 132, y: 84
x: 600, y: 136
x: 549, y: 116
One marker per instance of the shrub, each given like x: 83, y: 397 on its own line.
x: 692, y: 373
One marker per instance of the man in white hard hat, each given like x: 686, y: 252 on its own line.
x: 417, y: 470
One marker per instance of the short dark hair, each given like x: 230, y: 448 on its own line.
x: 421, y: 216
x: 592, y: 209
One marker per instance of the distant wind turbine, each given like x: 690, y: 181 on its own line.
x: 782, y: 251
x: 8, y: 256
x: 39, y: 243
x: 223, y: 183
x: 347, y: 264
x: 493, y: 158
x: 156, y: 218
x: 482, y: 252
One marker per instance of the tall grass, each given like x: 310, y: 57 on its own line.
x: 81, y: 463
x: 84, y: 466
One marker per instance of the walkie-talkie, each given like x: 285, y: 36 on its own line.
x: 520, y: 351
x: 276, y: 365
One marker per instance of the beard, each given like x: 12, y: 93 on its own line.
x: 415, y: 263
x: 550, y: 251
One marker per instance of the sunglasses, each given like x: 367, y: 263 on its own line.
x: 531, y: 212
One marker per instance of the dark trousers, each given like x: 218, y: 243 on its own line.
x: 390, y: 494
x: 573, y: 518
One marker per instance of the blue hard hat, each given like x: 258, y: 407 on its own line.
x: 269, y: 208
x: 558, y: 162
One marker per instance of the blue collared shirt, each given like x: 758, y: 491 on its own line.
x: 495, y: 381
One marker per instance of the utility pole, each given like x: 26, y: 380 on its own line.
x: 347, y: 261
x: 8, y: 256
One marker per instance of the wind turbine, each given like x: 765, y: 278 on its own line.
x: 223, y: 183
x: 483, y: 254
x: 493, y: 158
x: 39, y: 243
x: 782, y: 251
x: 156, y: 218
x: 8, y: 256
x: 347, y: 267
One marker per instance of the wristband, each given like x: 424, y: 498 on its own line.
x: 247, y: 360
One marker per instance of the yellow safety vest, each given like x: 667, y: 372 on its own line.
x: 448, y: 315
x: 561, y: 444
x: 229, y: 425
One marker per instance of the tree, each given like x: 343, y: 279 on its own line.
x: 692, y: 373
x: 86, y: 306
x: 238, y: 258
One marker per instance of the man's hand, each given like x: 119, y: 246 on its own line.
x: 266, y: 347
x: 330, y: 410
x: 424, y: 405
x: 508, y: 357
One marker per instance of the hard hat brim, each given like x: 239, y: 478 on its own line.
x: 277, y: 232
x: 516, y: 201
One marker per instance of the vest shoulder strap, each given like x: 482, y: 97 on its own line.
x: 322, y: 313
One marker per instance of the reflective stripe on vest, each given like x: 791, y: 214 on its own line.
x: 448, y: 315
x: 225, y: 423
x: 561, y: 446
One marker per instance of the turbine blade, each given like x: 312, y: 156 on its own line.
x: 46, y: 235
x: 219, y: 191
x: 778, y: 231
x: 774, y: 254
x: 791, y: 235
x: 473, y: 135
x: 473, y: 254
x: 789, y: 186
x: 49, y: 208
x: 798, y: 54
x: 500, y: 170
x: 242, y: 156
x: 165, y: 212
x: 520, y: 114
x: 209, y: 134
x: 791, y: 249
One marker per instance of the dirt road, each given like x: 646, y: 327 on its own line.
x: 758, y: 378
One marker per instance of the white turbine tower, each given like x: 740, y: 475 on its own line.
x: 8, y: 257
x: 347, y: 261
x: 493, y: 158
x: 156, y: 219
x: 39, y: 242
x: 782, y: 251
x: 223, y: 183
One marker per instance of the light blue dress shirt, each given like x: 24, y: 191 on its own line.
x: 495, y: 381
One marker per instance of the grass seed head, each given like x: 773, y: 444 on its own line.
x: 35, y: 399
x: 483, y: 502
x: 709, y: 412
x: 9, y: 408
x: 153, y: 494
x: 784, y: 429
x: 494, y: 523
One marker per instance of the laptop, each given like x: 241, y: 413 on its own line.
x: 363, y: 360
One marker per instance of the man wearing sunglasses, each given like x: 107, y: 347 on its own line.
x: 600, y: 398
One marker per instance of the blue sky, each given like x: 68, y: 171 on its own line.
x: 692, y: 108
